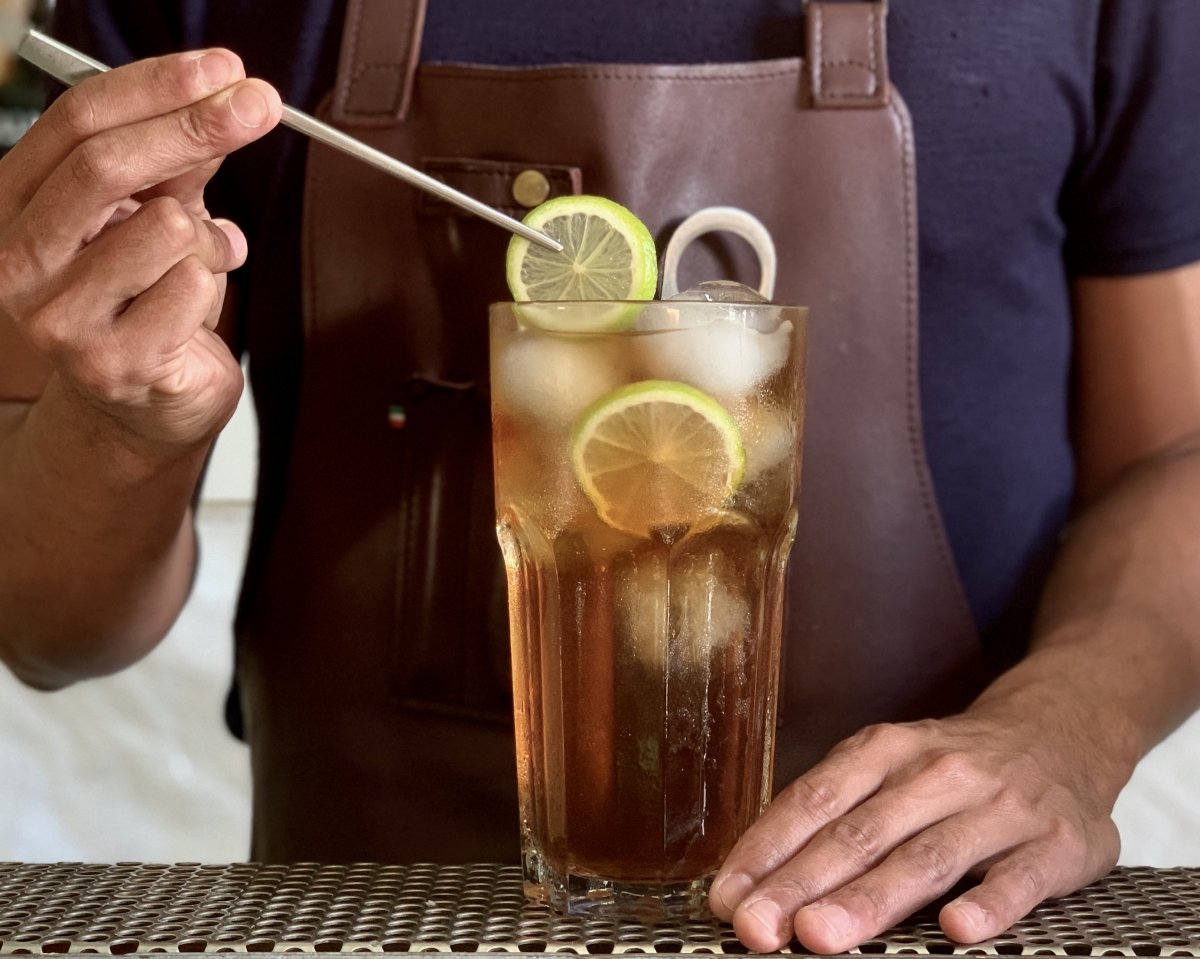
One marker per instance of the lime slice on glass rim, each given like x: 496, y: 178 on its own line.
x: 608, y: 254
x: 656, y: 455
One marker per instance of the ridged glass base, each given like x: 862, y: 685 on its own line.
x: 575, y: 893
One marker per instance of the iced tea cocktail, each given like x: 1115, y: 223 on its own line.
x: 646, y: 481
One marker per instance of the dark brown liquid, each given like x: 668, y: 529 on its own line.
x: 646, y: 687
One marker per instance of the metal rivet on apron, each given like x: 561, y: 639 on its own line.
x: 530, y: 187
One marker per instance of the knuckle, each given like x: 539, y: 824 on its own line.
x: 816, y: 797
x: 96, y: 160
x: 795, y: 887
x: 207, y: 125
x: 873, y: 899
x: 885, y: 738
x: 75, y: 113
x: 198, y: 127
x: 194, y: 271
x: 932, y: 861
x: 98, y: 377
x: 951, y: 767
x: 169, y: 223
x: 46, y: 333
x: 12, y: 273
x: 1066, y: 836
x: 861, y: 837
x: 193, y: 276
x: 1010, y: 805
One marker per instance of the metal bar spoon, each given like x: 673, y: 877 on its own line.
x: 69, y: 66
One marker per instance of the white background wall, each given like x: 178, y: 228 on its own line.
x: 139, y: 766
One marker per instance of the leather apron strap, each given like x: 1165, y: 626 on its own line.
x: 846, y: 55
x: 373, y: 658
x: 381, y: 47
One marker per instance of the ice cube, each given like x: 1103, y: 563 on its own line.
x: 554, y: 378
x: 723, y: 358
x: 643, y: 607
x: 686, y: 608
x: 706, y: 615
x: 767, y: 436
x: 721, y: 291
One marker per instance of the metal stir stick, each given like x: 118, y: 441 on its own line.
x: 69, y: 66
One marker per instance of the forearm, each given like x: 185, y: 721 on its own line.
x: 1116, y: 647
x: 98, y: 544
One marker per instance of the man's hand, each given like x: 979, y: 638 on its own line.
x: 112, y: 277
x: 896, y: 815
x: 1018, y: 790
x: 109, y: 263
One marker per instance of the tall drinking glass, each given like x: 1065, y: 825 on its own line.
x: 646, y: 480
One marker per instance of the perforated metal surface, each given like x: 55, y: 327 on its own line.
x: 247, y: 908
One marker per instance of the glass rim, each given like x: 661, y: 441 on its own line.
x: 632, y: 317
x: 674, y: 301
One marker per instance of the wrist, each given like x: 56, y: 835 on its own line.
x: 1067, y: 706
x: 72, y: 431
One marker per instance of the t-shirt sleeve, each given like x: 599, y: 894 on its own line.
x: 1134, y: 206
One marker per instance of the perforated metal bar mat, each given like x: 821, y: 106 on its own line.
x: 248, y: 908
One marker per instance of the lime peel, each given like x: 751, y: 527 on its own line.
x: 656, y: 453
x: 608, y: 255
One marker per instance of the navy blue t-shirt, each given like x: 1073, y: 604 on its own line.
x: 1052, y: 139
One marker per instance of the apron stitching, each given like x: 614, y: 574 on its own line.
x: 348, y: 81
x: 916, y: 438
x: 871, y: 65
x: 382, y: 67
x: 818, y: 45
x: 611, y: 74
x: 378, y: 67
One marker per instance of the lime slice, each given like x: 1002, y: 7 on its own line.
x: 656, y: 455
x: 608, y: 254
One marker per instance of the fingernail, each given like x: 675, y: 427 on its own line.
x: 237, y: 239
x: 249, y: 107
x: 971, y: 914
x: 770, y: 916
x: 215, y: 70
x: 732, y: 889
x: 836, y: 919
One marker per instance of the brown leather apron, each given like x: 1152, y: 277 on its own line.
x: 373, y: 657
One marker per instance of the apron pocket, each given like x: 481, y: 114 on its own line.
x: 511, y: 187
x: 450, y: 645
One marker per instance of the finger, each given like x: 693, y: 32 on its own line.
x: 857, y: 842
x: 127, y: 95
x: 130, y: 257
x: 918, y: 871
x: 213, y: 318
x: 164, y: 317
x: 118, y: 364
x: 850, y: 774
x: 80, y: 196
x: 134, y: 255
x: 1033, y: 872
x: 168, y: 314
x: 188, y: 188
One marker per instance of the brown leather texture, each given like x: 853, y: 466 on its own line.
x: 381, y: 47
x: 374, y: 659
x: 846, y: 53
